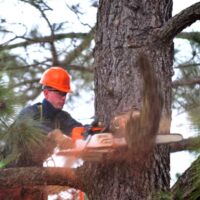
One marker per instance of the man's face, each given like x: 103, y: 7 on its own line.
x: 55, y: 97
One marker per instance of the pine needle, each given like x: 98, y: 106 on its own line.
x: 25, y: 144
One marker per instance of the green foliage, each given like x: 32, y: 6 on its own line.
x: 196, y: 181
x: 178, y: 196
x: 162, y: 196
x: 24, y: 144
x: 31, y: 53
x: 21, y: 79
x: 21, y: 142
x: 9, y: 103
x: 192, y: 37
x: 186, y: 94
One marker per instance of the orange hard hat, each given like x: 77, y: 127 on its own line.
x: 57, y: 78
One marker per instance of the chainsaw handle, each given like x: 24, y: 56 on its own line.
x: 83, y: 132
x: 77, y: 133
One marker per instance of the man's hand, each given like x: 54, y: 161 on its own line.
x: 62, y: 141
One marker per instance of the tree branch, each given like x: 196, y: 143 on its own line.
x: 179, y: 22
x: 80, y: 68
x: 191, y: 36
x: 187, y: 186
x: 14, y: 177
x: 79, y: 49
x: 192, y: 143
x: 186, y: 82
x: 45, y: 39
x: 187, y: 65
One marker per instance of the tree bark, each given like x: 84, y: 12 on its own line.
x: 16, y: 177
x: 179, y: 22
x: 124, y: 32
x: 187, y: 185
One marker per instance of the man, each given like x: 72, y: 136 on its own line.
x: 56, y: 85
x: 53, y: 121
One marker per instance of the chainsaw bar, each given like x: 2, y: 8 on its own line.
x: 98, y: 145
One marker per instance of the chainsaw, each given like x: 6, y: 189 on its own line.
x: 93, y: 142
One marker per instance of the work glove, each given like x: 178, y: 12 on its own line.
x: 62, y: 141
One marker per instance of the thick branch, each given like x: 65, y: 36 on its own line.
x: 192, y: 143
x: 186, y: 82
x: 187, y: 65
x: 14, y: 177
x: 179, y: 22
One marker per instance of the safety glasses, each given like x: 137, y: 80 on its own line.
x: 58, y: 92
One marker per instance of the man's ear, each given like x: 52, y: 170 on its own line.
x: 45, y: 92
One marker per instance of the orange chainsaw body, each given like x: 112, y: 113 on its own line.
x: 95, y: 146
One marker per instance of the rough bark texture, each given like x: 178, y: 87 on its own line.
x: 31, y: 183
x: 38, y: 176
x: 179, y: 22
x: 124, y: 30
x: 188, y: 185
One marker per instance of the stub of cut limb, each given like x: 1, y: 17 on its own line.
x: 118, y: 123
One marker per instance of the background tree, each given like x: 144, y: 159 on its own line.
x: 54, y: 43
x: 186, y: 86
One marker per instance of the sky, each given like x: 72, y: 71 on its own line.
x: 83, y: 111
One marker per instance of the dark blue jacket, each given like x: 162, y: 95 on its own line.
x: 49, y: 117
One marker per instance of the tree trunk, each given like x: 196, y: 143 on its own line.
x: 124, y: 31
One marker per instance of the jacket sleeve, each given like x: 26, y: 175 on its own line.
x: 67, y: 123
